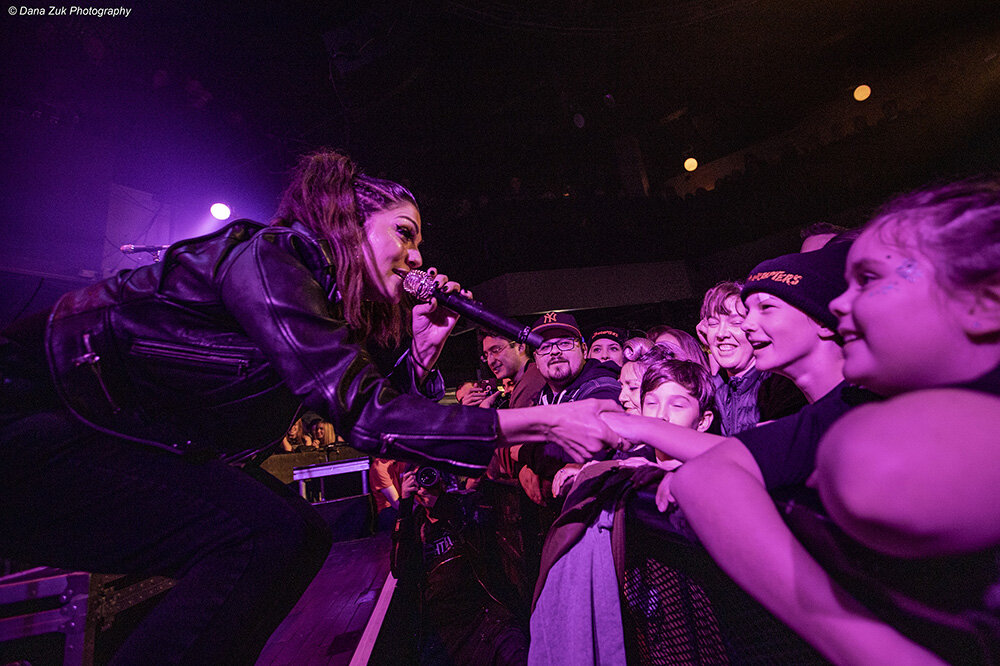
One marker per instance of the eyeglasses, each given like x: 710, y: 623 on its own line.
x: 562, y: 345
x: 494, y: 351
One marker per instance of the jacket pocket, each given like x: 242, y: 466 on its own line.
x: 217, y: 360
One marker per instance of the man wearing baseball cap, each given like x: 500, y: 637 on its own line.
x: 569, y: 376
x: 562, y: 360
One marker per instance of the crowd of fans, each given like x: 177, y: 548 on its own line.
x: 827, y: 436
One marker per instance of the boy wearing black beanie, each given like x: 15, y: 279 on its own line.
x: 789, y: 323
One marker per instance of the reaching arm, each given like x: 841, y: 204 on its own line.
x: 391, y: 495
x: 574, y: 426
x: 673, y: 440
x: 724, y: 499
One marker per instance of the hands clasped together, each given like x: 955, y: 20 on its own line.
x: 581, y: 437
x: 579, y: 429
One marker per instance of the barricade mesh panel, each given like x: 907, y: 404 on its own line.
x: 673, y: 617
x: 678, y: 607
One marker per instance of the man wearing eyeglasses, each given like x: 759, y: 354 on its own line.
x: 569, y: 376
x: 562, y: 360
x: 509, y: 361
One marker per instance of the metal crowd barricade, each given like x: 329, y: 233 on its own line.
x: 678, y: 606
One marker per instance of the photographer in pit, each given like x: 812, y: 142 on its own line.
x: 444, y: 556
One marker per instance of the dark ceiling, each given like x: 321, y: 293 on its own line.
x: 459, y: 96
x: 574, y: 98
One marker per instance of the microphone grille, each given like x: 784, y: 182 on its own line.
x: 419, y: 284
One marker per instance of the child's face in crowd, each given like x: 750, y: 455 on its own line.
x: 900, y: 328
x: 672, y: 403
x: 781, y: 335
x: 631, y: 380
x: 604, y: 349
x: 727, y: 342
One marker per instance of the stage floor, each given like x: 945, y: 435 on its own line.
x: 326, y: 624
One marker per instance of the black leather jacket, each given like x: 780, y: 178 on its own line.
x: 222, y: 343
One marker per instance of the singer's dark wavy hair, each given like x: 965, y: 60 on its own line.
x: 329, y: 195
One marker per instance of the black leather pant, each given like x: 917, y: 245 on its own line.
x: 242, y: 549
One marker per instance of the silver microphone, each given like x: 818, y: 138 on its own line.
x: 421, y: 285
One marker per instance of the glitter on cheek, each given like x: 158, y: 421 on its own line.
x: 909, y: 271
x: 886, y: 288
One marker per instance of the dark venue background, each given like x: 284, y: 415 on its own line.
x: 544, y: 139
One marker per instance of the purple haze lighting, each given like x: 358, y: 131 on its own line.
x: 220, y: 211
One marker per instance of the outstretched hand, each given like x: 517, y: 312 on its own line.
x: 626, y: 426
x: 579, y: 429
x: 479, y: 397
x: 490, y: 400
x: 663, y: 496
x: 531, y: 483
x: 702, y: 330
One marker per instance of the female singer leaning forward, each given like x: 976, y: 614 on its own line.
x: 111, y: 462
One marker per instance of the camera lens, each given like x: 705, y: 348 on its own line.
x: 428, y: 476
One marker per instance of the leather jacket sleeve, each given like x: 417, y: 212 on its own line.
x: 280, y: 305
x: 404, y: 379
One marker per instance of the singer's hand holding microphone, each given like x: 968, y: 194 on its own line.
x: 425, y: 285
x: 431, y: 323
x: 575, y: 426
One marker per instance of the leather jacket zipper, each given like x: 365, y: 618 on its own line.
x: 396, y: 440
x: 231, y: 360
x: 93, y: 361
